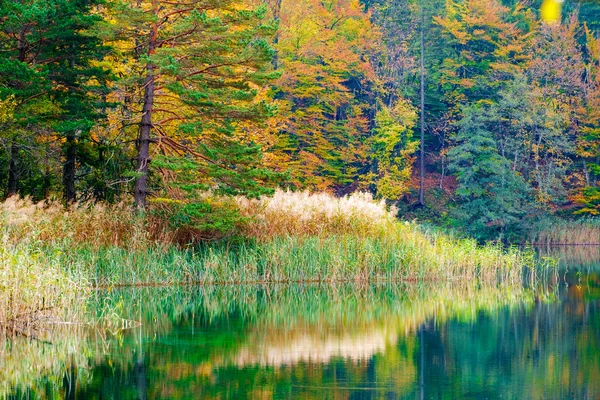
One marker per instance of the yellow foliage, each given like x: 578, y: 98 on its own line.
x: 7, y: 107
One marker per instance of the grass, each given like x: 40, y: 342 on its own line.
x: 306, y: 259
x: 51, y: 256
x: 35, y: 289
x: 567, y: 232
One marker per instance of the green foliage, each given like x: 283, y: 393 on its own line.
x: 208, y: 64
x: 591, y: 198
x: 7, y: 109
x: 493, y: 197
x: 199, y: 219
x: 47, y: 61
x: 392, y: 149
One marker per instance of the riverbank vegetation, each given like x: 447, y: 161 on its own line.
x: 102, y: 100
x: 36, y: 291
x: 354, y: 320
x: 287, y: 237
x: 54, y: 255
x: 584, y: 231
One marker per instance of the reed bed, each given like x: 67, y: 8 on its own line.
x: 289, y: 237
x: 95, y: 225
x: 36, y: 290
x: 52, y: 257
x: 305, y: 214
x: 584, y: 231
x: 573, y: 257
x: 404, y: 254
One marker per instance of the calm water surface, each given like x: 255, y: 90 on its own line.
x: 342, y: 342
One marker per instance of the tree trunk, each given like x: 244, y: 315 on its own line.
x: 13, y: 168
x: 143, y: 145
x: 277, y: 18
x: 69, y: 168
x: 422, y: 163
x: 13, y: 173
x: 141, y: 379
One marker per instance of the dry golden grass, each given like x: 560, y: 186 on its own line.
x: 92, y: 224
x: 563, y: 232
x: 305, y: 214
x: 293, y: 237
x: 101, y: 225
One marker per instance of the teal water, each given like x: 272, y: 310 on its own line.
x: 443, y: 341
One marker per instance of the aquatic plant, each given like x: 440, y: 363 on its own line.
x: 306, y: 214
x: 35, y: 290
x: 289, y: 237
x: 584, y: 231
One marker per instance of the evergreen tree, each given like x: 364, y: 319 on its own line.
x: 22, y: 80
x: 47, y: 63
x: 201, y: 64
x: 492, y: 197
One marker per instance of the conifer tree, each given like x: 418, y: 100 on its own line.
x: 47, y: 64
x: 493, y: 197
x: 22, y: 26
x: 201, y: 64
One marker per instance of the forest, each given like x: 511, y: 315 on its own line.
x: 482, y: 116
x: 309, y: 199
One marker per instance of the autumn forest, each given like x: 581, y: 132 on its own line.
x: 299, y: 199
x: 163, y: 102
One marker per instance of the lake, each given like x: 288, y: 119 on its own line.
x: 348, y: 341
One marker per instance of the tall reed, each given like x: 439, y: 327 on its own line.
x: 584, y: 231
x: 289, y: 237
x: 36, y: 289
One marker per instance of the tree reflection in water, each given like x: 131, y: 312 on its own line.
x: 349, y: 341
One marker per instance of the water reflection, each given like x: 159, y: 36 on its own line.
x: 342, y: 342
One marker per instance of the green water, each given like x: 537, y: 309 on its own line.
x: 385, y: 341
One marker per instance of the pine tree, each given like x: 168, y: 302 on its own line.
x: 22, y: 25
x: 47, y: 63
x: 201, y: 63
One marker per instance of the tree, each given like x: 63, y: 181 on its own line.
x: 391, y: 150
x: 79, y: 85
x: 555, y: 106
x: 493, y: 197
x: 325, y: 93
x: 21, y: 27
x: 409, y: 59
x: 422, y: 144
x: 48, y: 56
x: 489, y: 42
x: 588, y: 145
x: 202, y: 64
